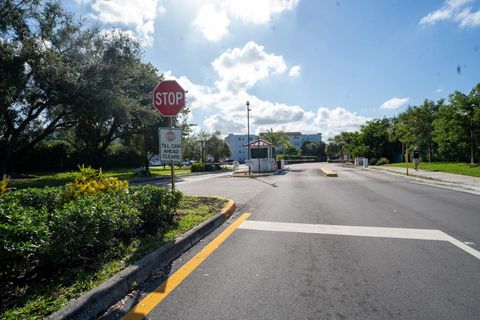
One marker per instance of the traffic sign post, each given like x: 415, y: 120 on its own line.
x: 169, y: 99
x: 170, y: 145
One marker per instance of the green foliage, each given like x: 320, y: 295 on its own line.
x: 24, y: 237
x: 44, y: 198
x: 41, y: 50
x: 197, y: 167
x: 278, y: 139
x: 450, y: 134
x: 415, y: 126
x: 317, y: 149
x: 291, y: 151
x: 47, y: 292
x: 89, y: 226
x: 216, y: 147
x: 156, y: 205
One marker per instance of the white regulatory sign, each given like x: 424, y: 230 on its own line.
x: 170, y: 145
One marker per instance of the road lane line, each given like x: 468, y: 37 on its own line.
x: 464, y: 247
x: 148, y: 303
x: 376, y: 232
x: 380, y: 232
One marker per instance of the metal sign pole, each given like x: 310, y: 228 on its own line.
x: 172, y: 170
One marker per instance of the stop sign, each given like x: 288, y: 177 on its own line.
x: 168, y: 98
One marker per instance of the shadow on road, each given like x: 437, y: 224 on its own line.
x: 266, y: 182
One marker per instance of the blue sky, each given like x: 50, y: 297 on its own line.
x: 311, y: 66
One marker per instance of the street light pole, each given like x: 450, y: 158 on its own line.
x: 248, y: 134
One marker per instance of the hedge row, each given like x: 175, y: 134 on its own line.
x: 41, y: 229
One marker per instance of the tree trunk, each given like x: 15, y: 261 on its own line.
x: 6, y: 157
x: 429, y: 153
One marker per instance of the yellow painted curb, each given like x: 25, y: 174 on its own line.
x: 147, y: 304
x: 328, y: 172
x: 229, y: 208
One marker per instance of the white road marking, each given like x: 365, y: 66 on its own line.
x: 186, y: 179
x: 377, y: 232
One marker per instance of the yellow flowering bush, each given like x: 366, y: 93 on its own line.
x: 91, y: 182
x: 3, y: 185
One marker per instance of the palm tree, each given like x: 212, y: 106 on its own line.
x: 278, y: 139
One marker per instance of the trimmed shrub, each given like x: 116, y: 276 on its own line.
x: 156, y: 205
x: 382, y: 160
x: 372, y: 161
x: 196, y: 167
x: 210, y: 167
x: 24, y: 236
x: 89, y: 226
x: 39, y: 198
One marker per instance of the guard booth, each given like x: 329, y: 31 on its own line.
x: 262, y: 156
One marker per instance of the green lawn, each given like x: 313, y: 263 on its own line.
x: 59, y: 179
x: 451, y: 167
x: 38, y: 299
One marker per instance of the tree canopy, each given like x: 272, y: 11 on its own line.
x: 442, y: 130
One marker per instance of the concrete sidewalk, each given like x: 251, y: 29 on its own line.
x: 435, y: 177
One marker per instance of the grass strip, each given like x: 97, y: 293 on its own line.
x: 40, y: 297
x: 450, y: 167
x: 53, y: 179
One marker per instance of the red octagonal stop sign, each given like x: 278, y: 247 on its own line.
x: 168, y: 98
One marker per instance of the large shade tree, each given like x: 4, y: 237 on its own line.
x: 41, y: 56
x: 116, y: 97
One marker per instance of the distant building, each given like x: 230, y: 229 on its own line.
x: 238, y: 145
x: 297, y: 138
x: 238, y: 142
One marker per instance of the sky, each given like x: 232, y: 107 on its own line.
x: 304, y: 65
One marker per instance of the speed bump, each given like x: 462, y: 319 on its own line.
x: 328, y: 172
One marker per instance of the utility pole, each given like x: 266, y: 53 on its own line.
x: 248, y: 133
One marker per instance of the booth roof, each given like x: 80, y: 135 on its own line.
x: 260, y: 143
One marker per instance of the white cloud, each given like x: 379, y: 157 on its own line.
x: 294, y: 71
x: 212, y: 23
x: 241, y: 68
x: 213, y: 19
x: 467, y: 18
x: 453, y: 10
x: 222, y: 106
x: 394, y: 103
x: 334, y: 121
x: 140, y: 15
x: 258, y: 11
x: 223, y: 124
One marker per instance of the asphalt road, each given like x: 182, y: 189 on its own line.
x: 331, y: 248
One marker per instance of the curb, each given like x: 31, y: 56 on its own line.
x: 98, y: 300
x: 432, y: 181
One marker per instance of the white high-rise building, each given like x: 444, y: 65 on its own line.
x: 238, y: 145
x: 297, y: 138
